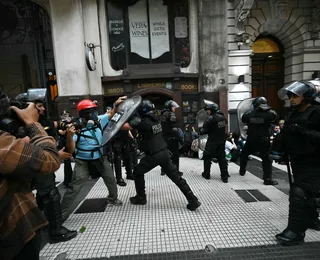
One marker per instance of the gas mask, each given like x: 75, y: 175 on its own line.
x: 91, y: 116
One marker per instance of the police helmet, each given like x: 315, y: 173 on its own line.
x: 170, y: 104
x: 37, y: 95
x: 260, y: 103
x: 210, y: 105
x: 145, y: 107
x: 306, y: 89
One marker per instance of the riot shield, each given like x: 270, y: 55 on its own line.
x: 244, y: 106
x: 201, y: 118
x: 125, y: 110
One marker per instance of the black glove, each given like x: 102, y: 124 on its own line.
x: 297, y: 129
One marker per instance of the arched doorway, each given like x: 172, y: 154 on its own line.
x: 268, y: 70
x: 26, y: 48
x: 158, y: 100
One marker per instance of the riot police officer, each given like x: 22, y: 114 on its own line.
x: 214, y: 126
x: 171, y: 132
x: 259, y: 122
x: 300, y: 141
x: 156, y: 153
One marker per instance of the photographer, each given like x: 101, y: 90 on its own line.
x: 20, y: 218
x: 89, y: 159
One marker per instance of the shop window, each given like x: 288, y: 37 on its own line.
x: 148, y: 32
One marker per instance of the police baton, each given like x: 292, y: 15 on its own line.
x: 287, y: 161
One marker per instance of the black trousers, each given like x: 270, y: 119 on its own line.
x: 302, y: 197
x: 31, y: 250
x: 262, y: 146
x: 67, y: 172
x: 215, y: 150
x: 161, y: 158
x: 173, y: 147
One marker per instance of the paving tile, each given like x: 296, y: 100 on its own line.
x: 164, y: 224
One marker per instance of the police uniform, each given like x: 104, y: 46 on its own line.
x: 48, y: 196
x: 171, y: 133
x: 156, y: 153
x: 214, y: 126
x: 259, y: 122
x: 300, y: 140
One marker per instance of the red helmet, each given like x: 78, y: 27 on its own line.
x: 86, y: 104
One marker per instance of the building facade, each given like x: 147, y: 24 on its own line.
x: 184, y: 50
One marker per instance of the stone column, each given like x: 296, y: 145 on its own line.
x: 68, y: 42
x: 213, y: 49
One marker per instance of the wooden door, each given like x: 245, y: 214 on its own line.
x: 268, y: 78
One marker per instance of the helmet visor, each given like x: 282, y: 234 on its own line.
x: 37, y: 94
x: 174, y: 104
x: 206, y: 102
x: 298, y: 88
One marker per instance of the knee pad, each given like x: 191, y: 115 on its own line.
x: 297, y: 196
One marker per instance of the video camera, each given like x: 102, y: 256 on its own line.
x: 9, y: 121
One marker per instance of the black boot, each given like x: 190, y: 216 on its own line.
x: 130, y: 176
x: 121, y: 182
x: 194, y: 203
x: 207, y: 167
x: 138, y: 200
x: 118, y: 171
x: 315, y: 225
x: 290, y: 238
x: 270, y: 182
x: 178, y: 165
x: 52, y: 210
x: 187, y: 192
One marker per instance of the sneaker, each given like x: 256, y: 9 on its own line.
x: 138, y: 200
x: 115, y: 202
x: 193, y: 205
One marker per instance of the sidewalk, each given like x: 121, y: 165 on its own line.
x: 225, y: 223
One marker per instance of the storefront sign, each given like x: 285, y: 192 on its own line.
x: 159, y: 28
x: 188, y: 88
x: 138, y: 28
x: 113, y: 91
x: 151, y: 85
x: 116, y: 27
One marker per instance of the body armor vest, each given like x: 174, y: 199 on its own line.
x: 259, y: 123
x: 304, y: 145
x: 152, y: 139
x: 215, y: 126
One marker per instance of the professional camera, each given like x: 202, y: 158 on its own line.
x: 65, y: 123
x: 9, y: 121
